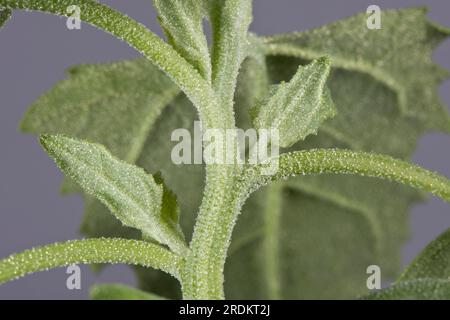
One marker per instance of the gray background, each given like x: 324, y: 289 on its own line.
x: 35, y: 49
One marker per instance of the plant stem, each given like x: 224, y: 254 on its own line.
x: 87, y: 252
x: 203, y: 274
x: 272, y: 216
x: 163, y: 55
x: 335, y: 161
x: 224, y: 193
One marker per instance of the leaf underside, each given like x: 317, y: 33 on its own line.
x: 330, y: 228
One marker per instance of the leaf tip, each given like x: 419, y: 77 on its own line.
x: 45, y: 140
x: 49, y: 142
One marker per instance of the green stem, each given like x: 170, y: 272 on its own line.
x: 88, y: 252
x: 138, y: 36
x: 222, y: 201
x: 323, y: 161
x: 224, y: 194
x: 230, y: 21
x: 272, y: 217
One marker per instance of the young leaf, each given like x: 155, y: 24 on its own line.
x: 297, y: 108
x: 253, y: 82
x: 120, y: 292
x: 170, y: 212
x: 182, y: 22
x: 113, y: 114
x: 409, y: 73
x: 5, y: 14
x: 129, y: 192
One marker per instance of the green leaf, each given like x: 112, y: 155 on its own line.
x: 5, y: 14
x: 120, y: 292
x: 427, y: 277
x: 99, y: 222
x: 253, y: 83
x: 119, y: 125
x: 170, y: 212
x: 297, y: 108
x: 420, y: 289
x: 343, y: 223
x: 432, y: 262
x: 409, y: 72
x: 163, y: 55
x: 129, y: 192
x: 114, y: 104
x: 182, y: 22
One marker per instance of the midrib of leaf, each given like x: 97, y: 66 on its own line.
x: 270, y: 233
x: 292, y: 102
x: 135, y: 150
x: 272, y: 216
x: 108, y: 180
x: 345, y: 203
